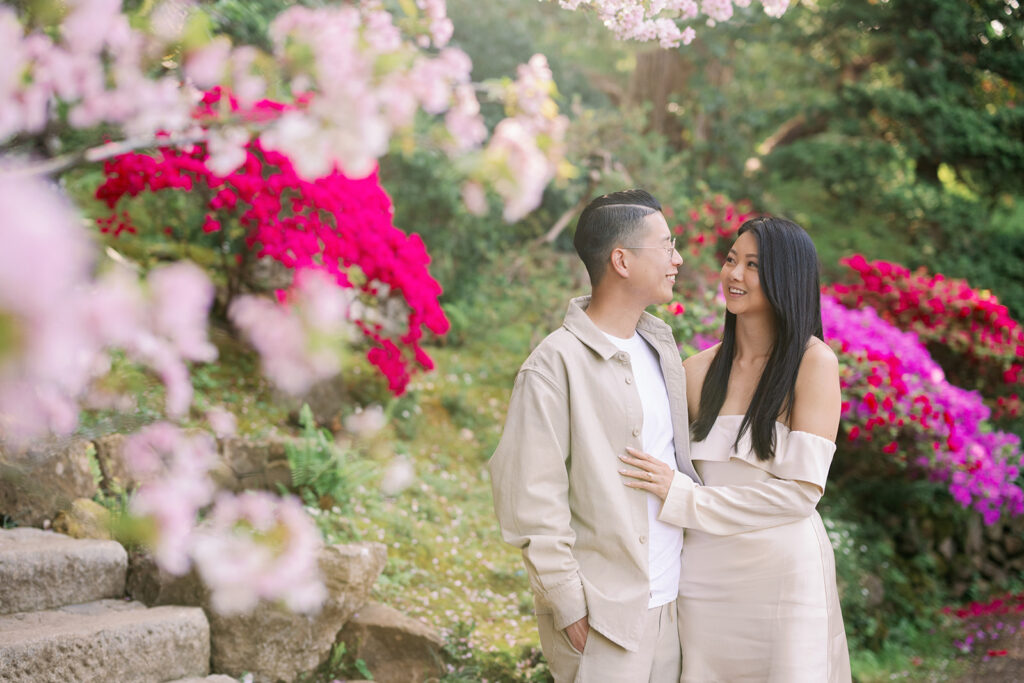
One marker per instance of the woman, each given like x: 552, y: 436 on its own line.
x: 758, y: 598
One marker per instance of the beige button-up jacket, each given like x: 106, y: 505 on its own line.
x: 557, y: 491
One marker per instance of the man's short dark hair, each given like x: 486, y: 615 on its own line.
x: 608, y: 221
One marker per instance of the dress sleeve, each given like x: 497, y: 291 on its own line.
x: 530, y: 484
x: 799, y: 470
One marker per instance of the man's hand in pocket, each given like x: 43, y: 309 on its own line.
x: 577, y: 633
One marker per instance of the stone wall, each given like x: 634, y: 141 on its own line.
x: 964, y: 550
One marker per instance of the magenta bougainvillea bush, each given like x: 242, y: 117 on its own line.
x: 340, y: 225
x: 898, y: 403
x: 982, y: 345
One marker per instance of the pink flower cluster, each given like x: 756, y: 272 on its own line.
x: 936, y: 307
x: 439, y: 26
x: 946, y: 311
x: 256, y: 546
x: 173, y: 470
x: 249, y: 547
x: 712, y: 227
x: 648, y: 20
x: 93, y: 62
x: 301, y: 342
x: 59, y: 322
x: 899, y: 402
x: 530, y: 143
x: 987, y: 622
x: 357, y: 78
x: 48, y: 353
x: 335, y: 224
x: 369, y: 82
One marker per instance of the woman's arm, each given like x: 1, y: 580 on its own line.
x: 725, y: 510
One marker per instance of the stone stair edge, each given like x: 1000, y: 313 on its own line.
x: 102, y: 641
x: 42, y: 570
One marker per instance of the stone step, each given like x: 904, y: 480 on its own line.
x: 102, y: 641
x: 42, y: 570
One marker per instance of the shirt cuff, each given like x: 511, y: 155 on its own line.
x: 567, y: 602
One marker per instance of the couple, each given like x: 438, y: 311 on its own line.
x: 596, y: 477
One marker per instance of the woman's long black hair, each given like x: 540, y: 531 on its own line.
x: 788, y: 269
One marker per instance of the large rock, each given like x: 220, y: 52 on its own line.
x: 974, y: 542
x: 115, y: 471
x: 38, y: 483
x: 326, y: 400
x: 84, y: 519
x: 265, y: 274
x: 151, y: 585
x: 40, y: 570
x: 395, y: 648
x: 1014, y: 544
x: 255, y: 464
x: 276, y: 645
x: 108, y: 640
x: 270, y: 643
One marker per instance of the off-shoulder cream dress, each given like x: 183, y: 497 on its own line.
x: 761, y: 604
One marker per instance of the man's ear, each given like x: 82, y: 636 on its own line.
x: 619, y: 261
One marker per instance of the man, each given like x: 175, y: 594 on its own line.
x: 603, y: 569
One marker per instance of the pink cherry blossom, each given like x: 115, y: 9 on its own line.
x: 398, y: 476
x: 256, y: 546
x: 172, y: 467
x: 205, y: 66
x: 222, y: 422
x: 49, y: 354
x: 301, y: 343
x: 650, y: 20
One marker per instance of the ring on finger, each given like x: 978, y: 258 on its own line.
x: 650, y: 476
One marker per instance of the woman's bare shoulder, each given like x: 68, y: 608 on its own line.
x: 817, y: 404
x: 697, y: 365
x: 818, y: 358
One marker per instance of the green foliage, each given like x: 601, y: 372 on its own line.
x: 989, y: 253
x: 906, y: 139
x: 405, y: 413
x: 930, y: 78
x: 324, y: 474
x: 340, y: 665
x: 701, y: 319
x: 246, y: 21
x: 891, y: 606
x: 501, y: 34
x: 461, y: 245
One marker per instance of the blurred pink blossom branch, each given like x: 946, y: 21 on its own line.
x: 357, y: 78
x: 670, y: 22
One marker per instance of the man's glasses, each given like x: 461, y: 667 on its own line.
x: 669, y: 249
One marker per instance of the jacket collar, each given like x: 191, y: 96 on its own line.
x: 579, y: 323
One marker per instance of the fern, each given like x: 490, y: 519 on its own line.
x: 319, y: 468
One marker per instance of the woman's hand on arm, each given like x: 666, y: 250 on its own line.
x: 650, y: 474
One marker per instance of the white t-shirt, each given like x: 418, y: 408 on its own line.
x: 665, y: 541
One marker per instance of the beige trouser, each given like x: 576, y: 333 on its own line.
x: 602, y: 661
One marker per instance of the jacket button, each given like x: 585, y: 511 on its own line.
x: 643, y: 539
x: 636, y: 431
x: 629, y: 380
